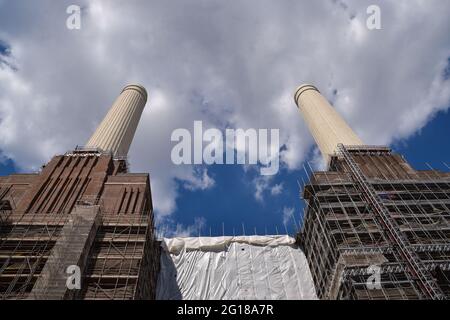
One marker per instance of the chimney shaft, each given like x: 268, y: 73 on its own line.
x: 115, y: 133
x: 325, y: 124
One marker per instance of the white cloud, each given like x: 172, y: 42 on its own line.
x: 276, y: 189
x: 288, y: 214
x: 261, y: 184
x: 198, y: 180
x: 317, y: 162
x: 196, y: 229
x: 218, y: 62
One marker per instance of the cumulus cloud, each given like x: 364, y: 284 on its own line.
x: 167, y: 229
x: 263, y: 185
x: 198, y: 180
x: 229, y: 65
x: 276, y: 189
x: 288, y: 215
x: 317, y: 162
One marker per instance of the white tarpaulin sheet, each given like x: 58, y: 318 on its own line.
x: 229, y: 268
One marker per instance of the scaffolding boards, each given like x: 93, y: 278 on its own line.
x: 342, y: 218
x: 119, y: 265
x: 56, y: 225
x: 401, y: 244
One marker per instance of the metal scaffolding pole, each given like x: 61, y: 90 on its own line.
x: 391, y: 228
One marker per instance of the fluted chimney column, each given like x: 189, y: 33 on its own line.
x: 115, y: 133
x: 325, y: 124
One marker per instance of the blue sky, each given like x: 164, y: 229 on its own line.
x: 231, y: 65
x: 231, y: 202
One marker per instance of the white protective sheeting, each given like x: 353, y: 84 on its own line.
x: 229, y: 268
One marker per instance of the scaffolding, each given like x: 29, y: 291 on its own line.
x: 82, y: 210
x: 371, y: 208
x: 25, y: 245
x: 120, y: 265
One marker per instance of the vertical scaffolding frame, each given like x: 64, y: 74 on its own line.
x: 389, y: 226
x: 119, y: 257
x: 371, y: 208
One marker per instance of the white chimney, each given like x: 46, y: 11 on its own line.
x: 325, y: 124
x: 115, y: 133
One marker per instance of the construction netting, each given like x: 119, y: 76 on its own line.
x: 230, y: 268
